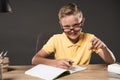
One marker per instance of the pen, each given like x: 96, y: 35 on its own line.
x: 70, y: 62
x: 5, y: 53
x: 3, y: 56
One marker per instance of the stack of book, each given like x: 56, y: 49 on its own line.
x: 5, y: 64
x: 114, y: 70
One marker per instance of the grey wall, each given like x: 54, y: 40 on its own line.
x: 19, y: 30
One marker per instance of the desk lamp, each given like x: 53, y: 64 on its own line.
x: 5, y: 6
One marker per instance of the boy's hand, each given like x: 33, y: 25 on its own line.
x: 96, y: 44
x: 63, y: 63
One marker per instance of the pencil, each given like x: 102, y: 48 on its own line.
x: 1, y: 54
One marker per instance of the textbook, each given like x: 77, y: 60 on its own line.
x: 51, y: 73
x: 115, y: 68
x: 5, y: 64
x: 5, y: 61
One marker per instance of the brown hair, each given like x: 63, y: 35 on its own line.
x: 69, y: 9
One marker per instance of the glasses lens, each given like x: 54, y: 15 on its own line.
x: 75, y: 27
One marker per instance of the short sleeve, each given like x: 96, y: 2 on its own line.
x: 49, y: 47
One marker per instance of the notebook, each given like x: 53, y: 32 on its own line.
x: 114, y: 70
x: 51, y: 73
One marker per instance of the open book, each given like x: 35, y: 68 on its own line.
x: 51, y: 73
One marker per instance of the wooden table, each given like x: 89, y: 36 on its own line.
x: 93, y: 72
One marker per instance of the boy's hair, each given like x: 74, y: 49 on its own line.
x: 69, y: 9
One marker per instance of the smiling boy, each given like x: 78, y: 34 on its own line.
x: 73, y: 45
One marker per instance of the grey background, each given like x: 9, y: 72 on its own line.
x: 19, y: 30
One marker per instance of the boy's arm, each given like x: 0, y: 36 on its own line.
x: 105, y: 52
x: 40, y: 58
x: 107, y: 55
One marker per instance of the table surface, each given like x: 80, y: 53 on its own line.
x: 93, y: 72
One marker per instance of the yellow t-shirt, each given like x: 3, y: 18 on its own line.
x: 65, y: 49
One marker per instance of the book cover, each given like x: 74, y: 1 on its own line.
x: 51, y: 73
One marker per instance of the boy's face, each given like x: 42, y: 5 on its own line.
x: 72, y: 26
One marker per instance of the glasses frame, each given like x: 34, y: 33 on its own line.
x: 75, y: 27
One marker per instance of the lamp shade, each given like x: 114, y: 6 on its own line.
x: 5, y: 6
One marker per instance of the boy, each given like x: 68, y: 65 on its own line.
x: 72, y: 46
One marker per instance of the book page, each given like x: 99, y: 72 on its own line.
x: 76, y: 68
x: 45, y: 72
x: 50, y: 73
x: 114, y: 68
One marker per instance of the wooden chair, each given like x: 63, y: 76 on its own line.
x: 41, y: 40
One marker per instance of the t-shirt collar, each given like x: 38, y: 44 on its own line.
x: 68, y: 43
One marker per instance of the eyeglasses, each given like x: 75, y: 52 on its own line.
x: 75, y: 27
